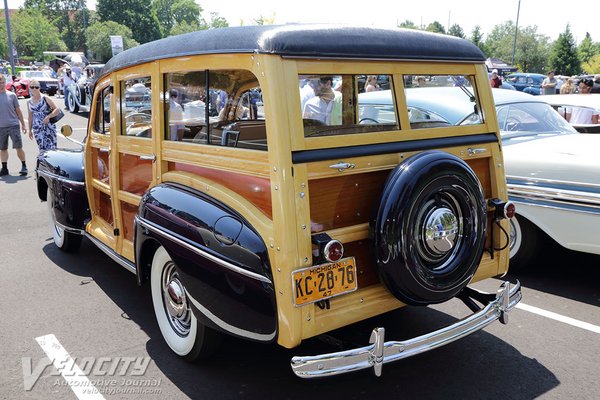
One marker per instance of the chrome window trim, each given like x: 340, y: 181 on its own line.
x: 128, y: 265
x: 172, y: 236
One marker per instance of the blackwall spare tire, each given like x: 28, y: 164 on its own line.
x: 429, y: 228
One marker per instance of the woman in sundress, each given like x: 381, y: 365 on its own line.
x: 41, y: 109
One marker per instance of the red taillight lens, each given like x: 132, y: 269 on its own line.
x: 333, y: 251
x: 509, y: 209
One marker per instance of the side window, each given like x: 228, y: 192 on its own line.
x: 436, y: 101
x: 222, y: 108
x: 346, y: 104
x: 102, y: 119
x: 136, y: 108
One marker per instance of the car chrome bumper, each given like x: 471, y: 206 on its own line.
x: 496, y: 306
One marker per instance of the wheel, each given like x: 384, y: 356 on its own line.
x: 71, y: 102
x: 525, y: 243
x: 66, y: 241
x: 184, y: 334
x: 430, y: 228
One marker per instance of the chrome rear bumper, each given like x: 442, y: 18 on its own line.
x: 380, y: 352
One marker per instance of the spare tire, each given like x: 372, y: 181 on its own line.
x: 429, y: 229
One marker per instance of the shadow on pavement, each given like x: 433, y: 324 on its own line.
x: 478, y: 366
x: 566, y: 273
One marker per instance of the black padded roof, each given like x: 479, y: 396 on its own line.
x: 305, y: 40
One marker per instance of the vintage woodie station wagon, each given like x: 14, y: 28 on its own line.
x: 237, y: 172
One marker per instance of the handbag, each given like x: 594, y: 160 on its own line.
x: 58, y: 116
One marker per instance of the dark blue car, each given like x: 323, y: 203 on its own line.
x: 524, y: 82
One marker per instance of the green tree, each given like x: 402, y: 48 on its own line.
x: 262, y: 20
x: 71, y: 17
x: 185, y: 27
x: 592, y: 66
x: 587, y: 48
x: 477, y: 39
x: 435, y: 27
x: 531, y: 52
x: 407, y: 24
x: 563, y: 54
x: 98, y: 38
x: 216, y: 21
x: 135, y: 14
x: 456, y: 30
x: 3, y: 38
x: 33, y: 34
x: 172, y: 12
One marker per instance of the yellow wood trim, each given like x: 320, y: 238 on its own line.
x: 129, y: 198
x: 339, y: 67
x: 285, y: 254
x: 101, y: 186
x: 127, y: 250
x: 102, y: 231
x: 134, y: 146
x: 350, y: 233
x: 242, y: 161
x: 254, y: 216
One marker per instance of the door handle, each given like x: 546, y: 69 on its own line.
x: 342, y: 166
x: 146, y: 157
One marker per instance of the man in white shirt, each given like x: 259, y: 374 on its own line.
x: 326, y: 105
x: 582, y: 115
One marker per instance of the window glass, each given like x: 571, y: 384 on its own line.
x: 346, y: 104
x: 136, y: 108
x: 230, y: 113
x: 436, y: 101
x: 531, y: 117
x: 102, y: 120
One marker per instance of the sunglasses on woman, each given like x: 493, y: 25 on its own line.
x: 34, y: 87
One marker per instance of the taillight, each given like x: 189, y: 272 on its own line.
x: 333, y: 251
x: 509, y: 209
x: 503, y: 209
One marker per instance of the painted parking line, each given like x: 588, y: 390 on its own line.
x: 64, y: 363
x: 559, y: 317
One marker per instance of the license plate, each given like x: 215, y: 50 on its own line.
x: 323, y: 281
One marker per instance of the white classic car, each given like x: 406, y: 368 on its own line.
x: 553, y: 172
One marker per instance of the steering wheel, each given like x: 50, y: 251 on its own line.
x: 138, y: 118
x: 368, y: 120
x: 512, y: 125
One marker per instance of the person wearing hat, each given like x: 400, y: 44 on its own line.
x: 495, y: 81
x: 582, y: 115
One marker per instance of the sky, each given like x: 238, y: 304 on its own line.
x: 550, y: 16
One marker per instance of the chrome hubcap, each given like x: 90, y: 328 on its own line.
x: 175, y: 301
x: 440, y: 230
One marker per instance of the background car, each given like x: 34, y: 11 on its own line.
x: 560, y: 102
x: 525, y: 82
x: 20, y: 85
x: 78, y: 95
x: 552, y: 171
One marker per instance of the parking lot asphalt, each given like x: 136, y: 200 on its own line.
x: 90, y: 308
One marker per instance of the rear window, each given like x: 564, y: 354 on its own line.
x: 346, y: 104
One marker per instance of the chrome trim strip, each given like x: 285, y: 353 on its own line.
x: 172, y: 236
x: 70, y: 230
x: 59, y: 178
x: 554, y: 205
x: 553, y: 182
x: 378, y: 353
x: 553, y: 194
x: 230, y: 328
x: 128, y: 265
